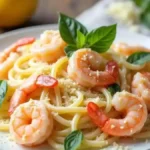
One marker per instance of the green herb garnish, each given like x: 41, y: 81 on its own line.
x: 139, y: 58
x: 73, y: 140
x: 68, y: 28
x: 114, y: 88
x: 3, y: 90
x: 70, y: 49
x: 81, y: 39
x: 76, y: 35
x: 100, y: 39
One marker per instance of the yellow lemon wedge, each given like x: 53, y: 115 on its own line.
x: 16, y: 12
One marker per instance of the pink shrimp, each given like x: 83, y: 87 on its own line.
x: 13, y: 48
x: 50, y: 47
x: 126, y: 50
x: 131, y: 106
x: 9, y: 56
x: 30, y: 85
x: 31, y: 123
x: 84, y: 68
x: 141, y: 86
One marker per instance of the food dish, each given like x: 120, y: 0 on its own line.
x: 82, y: 90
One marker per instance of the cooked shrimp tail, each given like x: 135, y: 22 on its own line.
x: 24, y: 41
x: 134, y: 109
x: 31, y: 84
x: 96, y: 114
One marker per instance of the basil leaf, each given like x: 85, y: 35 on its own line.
x: 3, y: 90
x: 73, y: 140
x: 114, y: 88
x: 80, y: 39
x: 139, y: 58
x: 69, y: 50
x: 77, y: 36
x: 101, y: 38
x: 68, y: 28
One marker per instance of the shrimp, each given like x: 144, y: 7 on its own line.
x: 31, y: 84
x: 31, y: 123
x: 9, y: 56
x: 84, y: 68
x: 131, y: 106
x: 126, y: 50
x: 141, y: 86
x: 50, y: 47
x: 13, y: 48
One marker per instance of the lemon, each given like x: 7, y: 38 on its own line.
x: 16, y: 12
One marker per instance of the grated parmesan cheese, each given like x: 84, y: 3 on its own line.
x: 125, y: 12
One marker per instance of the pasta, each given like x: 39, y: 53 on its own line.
x: 68, y: 101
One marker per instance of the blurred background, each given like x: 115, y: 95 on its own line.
x: 21, y: 13
x: 47, y: 10
x: 133, y: 15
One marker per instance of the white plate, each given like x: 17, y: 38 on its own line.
x: 8, y: 38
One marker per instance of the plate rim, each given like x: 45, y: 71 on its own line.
x: 55, y: 26
x: 26, y: 29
